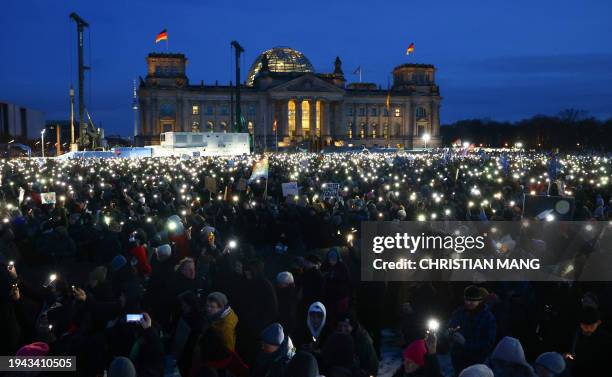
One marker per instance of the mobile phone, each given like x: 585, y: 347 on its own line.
x: 133, y: 317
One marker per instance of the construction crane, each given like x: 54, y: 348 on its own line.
x: 87, y: 132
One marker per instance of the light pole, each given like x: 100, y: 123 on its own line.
x: 42, y: 143
x: 426, y: 138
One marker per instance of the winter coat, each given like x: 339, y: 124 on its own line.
x: 592, y: 353
x: 143, y: 266
x: 287, y: 308
x: 479, y: 329
x: 274, y: 364
x: 226, y: 327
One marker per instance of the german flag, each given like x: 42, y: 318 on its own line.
x: 410, y: 49
x: 162, y: 36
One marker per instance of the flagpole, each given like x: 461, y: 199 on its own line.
x: 167, y: 45
x: 359, y: 74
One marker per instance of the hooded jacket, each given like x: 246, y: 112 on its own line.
x: 508, y: 359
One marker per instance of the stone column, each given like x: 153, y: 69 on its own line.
x: 407, y: 121
x: 284, y: 119
x: 313, y: 118
x: 298, y: 118
x: 354, y: 126
x: 379, y: 132
x: 202, y: 122
x: 339, y: 130
x: 325, y: 122
x: 155, y: 126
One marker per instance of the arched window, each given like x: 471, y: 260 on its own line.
x: 224, y: 127
x: 291, y: 116
x: 373, y: 128
x: 362, y: 131
x: 350, y: 130
x: 306, y: 118
x: 420, y: 113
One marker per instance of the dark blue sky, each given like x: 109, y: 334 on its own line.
x: 503, y: 60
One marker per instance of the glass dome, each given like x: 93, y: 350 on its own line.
x: 280, y: 59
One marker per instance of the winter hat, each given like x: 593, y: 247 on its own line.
x: 416, y: 352
x: 218, y: 297
x: 477, y: 370
x: 163, y: 252
x: 284, y: 277
x: 589, y: 315
x: 473, y: 293
x: 510, y: 350
x: 273, y: 334
x: 121, y: 367
x: 33, y: 349
x: 118, y: 262
x: 551, y: 361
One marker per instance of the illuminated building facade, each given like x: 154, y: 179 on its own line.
x: 285, y: 100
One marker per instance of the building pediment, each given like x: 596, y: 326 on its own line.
x: 307, y: 83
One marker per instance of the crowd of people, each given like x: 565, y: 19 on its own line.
x: 197, y: 267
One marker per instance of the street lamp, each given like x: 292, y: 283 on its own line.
x: 42, y: 142
x: 426, y: 138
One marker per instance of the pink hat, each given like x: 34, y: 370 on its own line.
x: 416, y: 352
x: 34, y: 349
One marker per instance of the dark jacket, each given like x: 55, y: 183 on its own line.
x: 479, y: 328
x: 274, y: 364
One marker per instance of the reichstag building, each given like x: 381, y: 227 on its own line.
x: 285, y: 101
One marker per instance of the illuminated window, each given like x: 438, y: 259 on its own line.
x: 209, y: 110
x: 251, y: 127
x: 420, y: 113
x: 397, y: 112
x: 291, y: 118
x: 195, y: 126
x: 224, y: 127
x: 386, y: 130
x: 195, y: 110
x: 210, y: 126
x: 374, y: 112
x: 373, y: 126
x: 362, y: 131
x: 350, y: 130
x: 318, y: 120
x: 306, y: 118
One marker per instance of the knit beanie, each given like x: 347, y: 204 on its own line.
x: 473, y: 293
x: 273, y: 334
x: 551, y: 361
x: 118, y: 262
x: 477, y: 370
x: 284, y: 277
x: 416, y: 352
x: 121, y: 367
x: 33, y: 349
x: 218, y: 297
x: 163, y: 252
